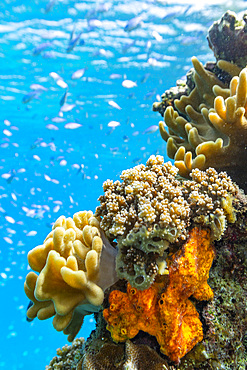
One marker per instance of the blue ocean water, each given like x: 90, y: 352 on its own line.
x: 55, y: 156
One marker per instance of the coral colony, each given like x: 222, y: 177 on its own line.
x: 162, y: 260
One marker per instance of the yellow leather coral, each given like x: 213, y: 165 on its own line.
x: 71, y: 280
x: 208, y: 128
x: 164, y: 310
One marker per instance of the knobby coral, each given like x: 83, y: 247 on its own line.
x: 76, y: 263
x: 152, y: 207
x: 208, y: 128
x: 164, y: 310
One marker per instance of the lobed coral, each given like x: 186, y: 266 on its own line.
x: 207, y: 126
x: 152, y: 208
x: 164, y: 310
x: 72, y: 277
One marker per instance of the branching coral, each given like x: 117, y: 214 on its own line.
x: 208, y: 128
x: 152, y: 208
x: 76, y: 264
x: 164, y: 310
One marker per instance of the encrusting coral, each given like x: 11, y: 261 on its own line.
x: 164, y: 310
x: 152, y: 208
x: 73, y: 272
x: 207, y: 126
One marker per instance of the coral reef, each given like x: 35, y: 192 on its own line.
x: 102, y: 355
x: 128, y: 356
x: 162, y: 262
x: 164, y: 310
x: 207, y: 126
x: 67, y: 356
x: 152, y: 208
x: 73, y: 272
x: 229, y: 27
x: 223, y: 320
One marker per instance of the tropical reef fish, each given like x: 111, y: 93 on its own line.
x: 73, y: 42
x: 41, y: 48
x: 38, y: 87
x: 113, y: 104
x: 113, y: 124
x: 72, y: 125
x: 67, y: 107
x: 151, y: 129
x: 50, y: 5
x: 128, y: 84
x: 30, y: 96
x: 63, y: 99
x: 78, y: 74
x: 133, y: 24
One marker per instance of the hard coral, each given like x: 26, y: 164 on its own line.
x: 72, y: 272
x: 164, y: 310
x: 67, y: 356
x: 115, y: 357
x: 145, y: 212
x: 152, y: 208
x: 207, y: 126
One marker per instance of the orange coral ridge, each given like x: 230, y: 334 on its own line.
x: 169, y: 315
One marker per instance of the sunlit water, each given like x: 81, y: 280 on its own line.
x: 54, y: 157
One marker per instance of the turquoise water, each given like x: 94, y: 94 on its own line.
x: 55, y: 156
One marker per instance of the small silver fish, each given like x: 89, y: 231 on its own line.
x: 113, y: 104
x: 133, y: 24
x: 29, y: 96
x: 72, y: 125
x: 145, y: 77
x: 63, y: 99
x: 78, y: 74
x: 38, y: 87
x: 41, y: 48
x: 50, y: 5
x: 128, y: 84
x: 73, y: 42
x: 151, y: 129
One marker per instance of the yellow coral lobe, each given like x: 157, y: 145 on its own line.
x: 164, y: 310
x: 69, y: 284
x: 212, y: 111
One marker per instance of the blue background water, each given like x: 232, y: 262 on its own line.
x: 47, y: 169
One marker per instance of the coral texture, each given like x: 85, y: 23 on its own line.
x: 164, y: 310
x: 229, y: 27
x: 130, y: 356
x: 152, y: 208
x: 223, y: 318
x: 207, y: 126
x: 72, y: 272
x: 67, y: 356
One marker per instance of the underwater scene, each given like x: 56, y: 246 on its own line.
x: 122, y: 184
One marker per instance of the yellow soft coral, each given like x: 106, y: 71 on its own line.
x: 164, y: 310
x: 209, y: 127
x: 71, y: 280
